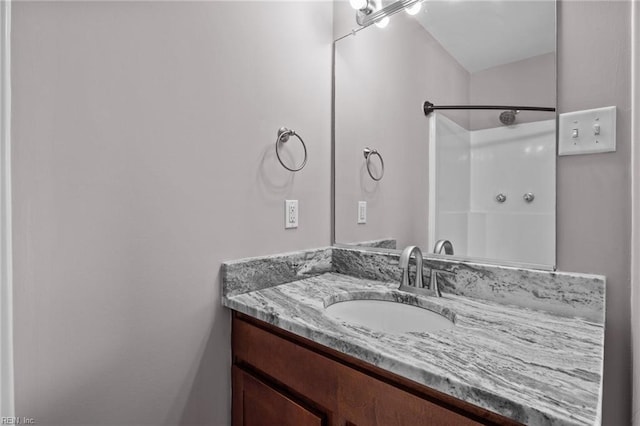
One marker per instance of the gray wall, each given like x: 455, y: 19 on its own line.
x: 635, y: 236
x: 531, y: 81
x: 593, y: 191
x: 143, y: 137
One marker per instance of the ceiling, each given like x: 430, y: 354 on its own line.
x: 481, y: 34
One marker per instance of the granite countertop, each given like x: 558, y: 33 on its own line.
x: 532, y: 366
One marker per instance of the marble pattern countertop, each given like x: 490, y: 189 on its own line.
x: 533, y: 366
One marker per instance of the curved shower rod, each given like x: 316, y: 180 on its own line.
x: 428, y: 107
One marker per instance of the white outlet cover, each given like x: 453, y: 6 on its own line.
x: 362, y: 212
x: 578, y: 131
x: 290, y: 214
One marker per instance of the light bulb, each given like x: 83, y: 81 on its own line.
x: 414, y: 8
x: 382, y: 23
x: 358, y: 4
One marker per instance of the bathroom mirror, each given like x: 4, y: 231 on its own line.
x: 483, y: 179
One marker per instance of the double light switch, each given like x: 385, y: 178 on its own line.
x: 587, y: 132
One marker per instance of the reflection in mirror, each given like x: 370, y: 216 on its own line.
x: 482, y: 179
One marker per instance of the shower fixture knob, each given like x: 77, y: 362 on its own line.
x: 501, y: 198
x: 528, y: 197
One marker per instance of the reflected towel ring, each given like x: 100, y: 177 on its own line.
x: 368, y: 153
x: 283, y: 136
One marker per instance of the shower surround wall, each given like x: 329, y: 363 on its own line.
x: 514, y: 161
x: 472, y: 167
x: 449, y: 182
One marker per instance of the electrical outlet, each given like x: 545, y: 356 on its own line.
x: 587, y: 132
x: 362, y: 212
x: 290, y: 214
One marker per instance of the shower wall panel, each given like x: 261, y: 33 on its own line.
x: 450, y: 174
x: 513, y: 161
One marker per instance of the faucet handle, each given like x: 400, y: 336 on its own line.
x: 443, y: 245
x: 433, y: 279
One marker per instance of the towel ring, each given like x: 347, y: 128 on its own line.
x: 283, y: 136
x: 368, y: 153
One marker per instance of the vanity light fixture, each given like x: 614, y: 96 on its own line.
x: 365, y: 8
x: 382, y: 23
x: 358, y: 4
x: 414, y: 9
x: 372, y: 13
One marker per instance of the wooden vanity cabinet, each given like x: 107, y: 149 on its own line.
x: 282, y: 379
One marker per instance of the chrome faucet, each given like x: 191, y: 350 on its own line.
x: 443, y: 244
x: 404, y: 265
x: 418, y: 285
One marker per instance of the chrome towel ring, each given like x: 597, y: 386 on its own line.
x: 283, y: 136
x: 368, y: 153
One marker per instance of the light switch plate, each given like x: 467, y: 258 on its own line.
x: 290, y: 214
x: 362, y: 212
x: 587, y: 132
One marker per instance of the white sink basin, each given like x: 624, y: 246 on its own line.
x: 388, y: 317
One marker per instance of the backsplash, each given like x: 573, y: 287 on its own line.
x: 562, y: 293
x: 388, y: 243
x: 256, y: 273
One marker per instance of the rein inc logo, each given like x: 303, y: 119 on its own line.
x: 17, y: 421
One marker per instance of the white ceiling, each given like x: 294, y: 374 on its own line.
x: 482, y: 34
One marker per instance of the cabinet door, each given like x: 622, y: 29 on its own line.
x: 257, y: 404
